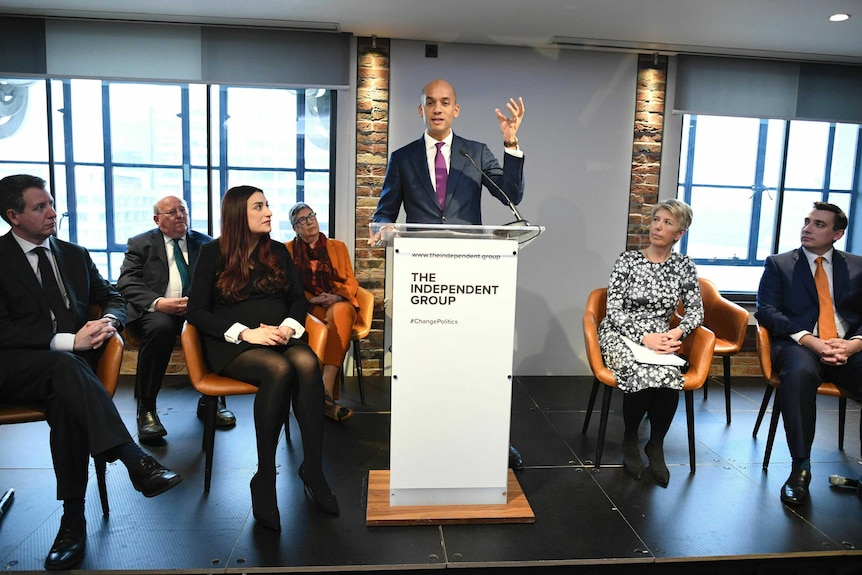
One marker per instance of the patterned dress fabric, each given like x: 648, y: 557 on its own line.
x: 642, y: 297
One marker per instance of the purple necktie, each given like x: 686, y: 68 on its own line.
x: 441, y: 174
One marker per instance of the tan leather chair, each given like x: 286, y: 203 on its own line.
x: 697, y: 347
x: 728, y: 321
x: 764, y: 354
x: 108, y: 372
x: 213, y: 385
x: 361, y: 329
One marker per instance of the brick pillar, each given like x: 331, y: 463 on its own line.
x: 646, y: 147
x: 372, y: 154
x: 646, y: 165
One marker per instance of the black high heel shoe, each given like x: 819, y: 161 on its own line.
x: 324, y: 498
x: 264, y: 505
x: 660, y: 472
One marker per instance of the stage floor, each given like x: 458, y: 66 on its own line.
x: 726, y: 514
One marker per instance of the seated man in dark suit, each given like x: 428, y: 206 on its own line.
x: 810, y: 300
x: 155, y: 278
x: 47, y: 352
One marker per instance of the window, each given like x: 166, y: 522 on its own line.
x: 750, y: 182
x: 117, y: 147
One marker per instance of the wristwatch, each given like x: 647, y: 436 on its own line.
x: 114, y: 321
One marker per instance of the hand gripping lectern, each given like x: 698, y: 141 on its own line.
x: 452, y: 337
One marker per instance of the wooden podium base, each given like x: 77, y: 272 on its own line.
x: 379, y: 513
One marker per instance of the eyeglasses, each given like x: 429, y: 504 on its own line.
x: 175, y: 213
x: 312, y: 217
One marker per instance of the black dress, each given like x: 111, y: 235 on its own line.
x: 213, y: 318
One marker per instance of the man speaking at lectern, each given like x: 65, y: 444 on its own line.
x: 438, y: 178
x: 434, y: 176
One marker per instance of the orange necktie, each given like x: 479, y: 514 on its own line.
x: 826, y: 320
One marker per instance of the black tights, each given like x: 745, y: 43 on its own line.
x: 282, y: 378
x: 660, y: 403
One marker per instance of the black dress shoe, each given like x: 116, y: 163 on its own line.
x: 68, y: 548
x: 224, y: 416
x: 150, y: 477
x: 323, y: 497
x: 515, y: 459
x: 149, y: 426
x: 795, y: 489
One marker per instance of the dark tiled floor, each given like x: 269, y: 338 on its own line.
x: 724, y: 518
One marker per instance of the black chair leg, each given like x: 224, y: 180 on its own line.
x: 726, y: 361
x: 773, y: 426
x: 689, y: 421
x: 591, y: 404
x: 209, y: 439
x: 603, y: 424
x: 101, y: 468
x: 357, y: 358
x: 763, y: 405
x: 842, y: 417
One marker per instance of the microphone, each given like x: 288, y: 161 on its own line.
x: 520, y: 220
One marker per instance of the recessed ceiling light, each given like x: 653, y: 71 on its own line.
x: 839, y: 17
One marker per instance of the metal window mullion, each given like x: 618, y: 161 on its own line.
x: 687, y: 180
x: 300, y: 145
x: 223, y: 118
x: 758, y: 188
x: 185, y: 119
x: 333, y: 137
x: 779, y: 193
x: 108, y: 171
x: 856, y: 191
x: 68, y: 145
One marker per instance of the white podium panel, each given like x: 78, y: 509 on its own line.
x: 453, y: 317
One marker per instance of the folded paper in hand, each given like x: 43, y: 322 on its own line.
x: 643, y: 354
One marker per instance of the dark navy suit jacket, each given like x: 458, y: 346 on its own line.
x: 787, y: 298
x: 25, y: 318
x: 408, y: 183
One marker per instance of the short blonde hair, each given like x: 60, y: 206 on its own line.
x: 680, y: 211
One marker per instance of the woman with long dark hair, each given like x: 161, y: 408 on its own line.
x: 248, y: 302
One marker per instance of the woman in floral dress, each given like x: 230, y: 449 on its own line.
x: 644, y: 291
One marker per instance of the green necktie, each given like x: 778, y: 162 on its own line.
x: 182, y: 267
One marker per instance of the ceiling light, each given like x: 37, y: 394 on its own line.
x: 839, y: 17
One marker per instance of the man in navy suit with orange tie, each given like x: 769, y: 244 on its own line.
x: 436, y: 182
x: 810, y: 300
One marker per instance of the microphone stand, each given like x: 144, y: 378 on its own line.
x: 520, y: 221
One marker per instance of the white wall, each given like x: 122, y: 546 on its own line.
x: 577, y: 138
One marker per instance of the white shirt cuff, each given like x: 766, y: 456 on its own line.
x: 63, y: 342
x: 232, y: 334
x: 516, y: 152
x: 799, y: 335
x: 298, y: 329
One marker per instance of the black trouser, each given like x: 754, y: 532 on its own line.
x: 158, y: 332
x: 801, y: 372
x: 82, y: 416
